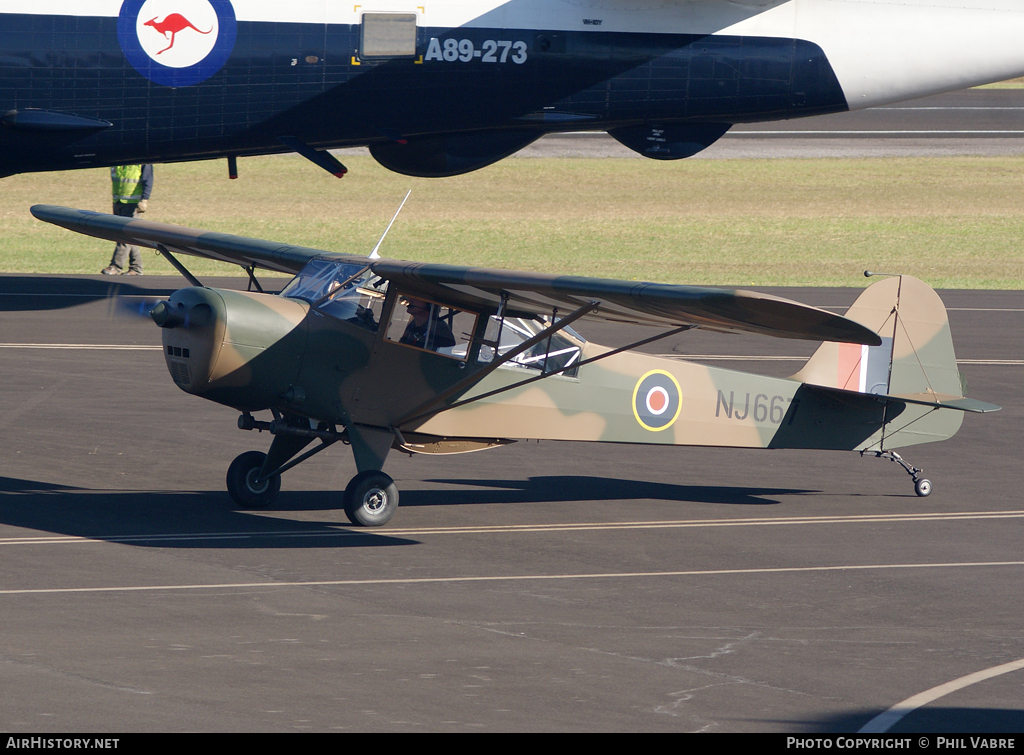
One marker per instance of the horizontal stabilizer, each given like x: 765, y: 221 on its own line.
x: 947, y: 402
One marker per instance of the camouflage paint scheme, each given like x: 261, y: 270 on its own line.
x: 886, y: 376
x: 721, y: 407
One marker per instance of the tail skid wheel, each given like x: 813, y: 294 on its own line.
x: 922, y: 486
x: 244, y: 485
x: 371, y: 499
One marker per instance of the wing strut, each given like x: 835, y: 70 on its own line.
x: 178, y: 266
x: 425, y: 409
x: 252, y: 278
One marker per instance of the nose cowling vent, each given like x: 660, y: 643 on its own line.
x: 180, y: 372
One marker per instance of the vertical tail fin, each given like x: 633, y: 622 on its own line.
x: 916, y: 355
x: 915, y: 362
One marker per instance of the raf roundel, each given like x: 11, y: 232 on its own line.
x: 656, y: 401
x: 177, y: 42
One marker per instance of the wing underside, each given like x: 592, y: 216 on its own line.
x: 268, y: 255
x: 623, y: 301
x: 489, y: 291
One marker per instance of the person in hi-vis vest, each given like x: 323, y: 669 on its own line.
x: 132, y: 185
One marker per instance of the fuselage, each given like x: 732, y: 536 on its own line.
x: 452, y: 85
x: 331, y: 365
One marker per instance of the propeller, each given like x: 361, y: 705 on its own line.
x: 128, y: 300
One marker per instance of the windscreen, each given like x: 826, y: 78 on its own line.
x: 319, y: 278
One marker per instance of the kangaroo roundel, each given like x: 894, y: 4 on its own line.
x: 177, y: 42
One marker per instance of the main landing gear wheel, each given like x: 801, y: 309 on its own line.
x: 923, y: 487
x: 371, y: 499
x: 244, y: 485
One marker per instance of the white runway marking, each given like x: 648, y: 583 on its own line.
x: 514, y: 528
x: 986, y: 107
x: 95, y: 297
x: 705, y: 357
x: 507, y: 578
x: 882, y: 723
x: 751, y: 358
x: 85, y: 346
x: 907, y: 132
x: 843, y: 308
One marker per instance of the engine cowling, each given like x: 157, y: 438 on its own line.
x: 236, y: 348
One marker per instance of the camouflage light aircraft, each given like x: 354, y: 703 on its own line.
x: 436, y: 359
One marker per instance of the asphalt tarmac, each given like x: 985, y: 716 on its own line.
x: 980, y: 122
x: 987, y: 122
x: 541, y: 586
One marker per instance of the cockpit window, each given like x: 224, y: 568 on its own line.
x: 320, y: 278
x: 345, y: 291
x: 561, y: 353
x: 431, y: 326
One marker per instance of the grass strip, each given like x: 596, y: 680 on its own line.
x: 952, y: 221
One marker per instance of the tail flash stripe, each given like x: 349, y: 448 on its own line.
x: 865, y: 369
x: 852, y: 359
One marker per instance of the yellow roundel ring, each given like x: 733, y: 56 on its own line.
x: 657, y: 400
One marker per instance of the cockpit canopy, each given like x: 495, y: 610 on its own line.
x: 351, y: 292
x: 347, y: 291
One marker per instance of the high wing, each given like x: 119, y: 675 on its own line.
x: 490, y: 290
x: 268, y: 255
x: 624, y: 301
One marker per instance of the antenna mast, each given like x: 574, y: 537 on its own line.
x: 374, y: 255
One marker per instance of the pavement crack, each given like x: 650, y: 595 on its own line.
x: 40, y: 668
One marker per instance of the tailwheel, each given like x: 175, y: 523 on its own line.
x: 371, y: 499
x: 922, y: 486
x: 244, y: 484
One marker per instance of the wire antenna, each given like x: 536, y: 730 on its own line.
x: 374, y: 254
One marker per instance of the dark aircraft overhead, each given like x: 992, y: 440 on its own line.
x: 453, y: 85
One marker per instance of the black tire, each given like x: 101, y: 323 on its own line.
x: 371, y: 499
x: 241, y: 482
x: 923, y: 487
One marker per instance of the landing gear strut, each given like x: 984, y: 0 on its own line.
x: 922, y: 486
x: 254, y: 478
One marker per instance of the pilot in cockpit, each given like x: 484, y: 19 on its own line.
x: 425, y: 329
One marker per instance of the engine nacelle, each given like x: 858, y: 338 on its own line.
x: 452, y: 155
x: 672, y: 142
